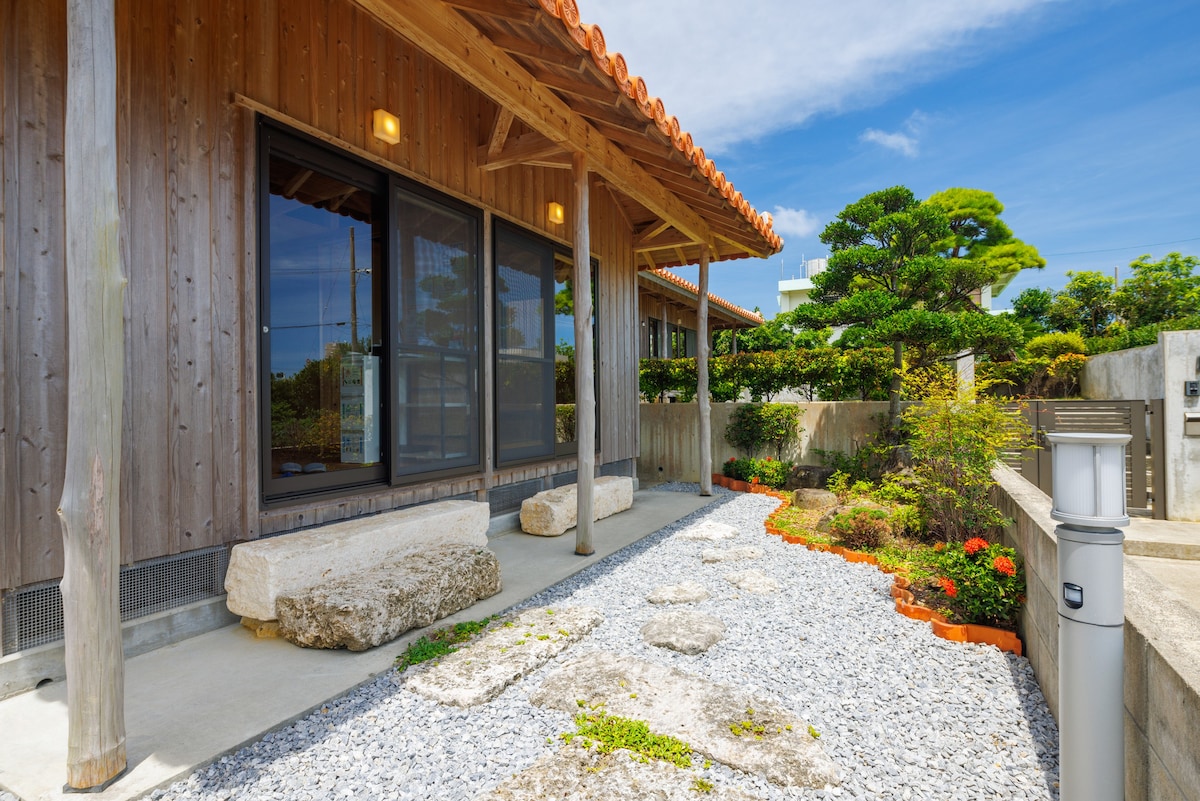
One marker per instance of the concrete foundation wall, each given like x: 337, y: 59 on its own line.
x: 670, y: 450
x: 1162, y: 653
x: 1131, y: 374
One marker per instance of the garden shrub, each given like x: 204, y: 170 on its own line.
x: 984, y: 582
x: 1051, y: 346
x: 754, y: 425
x: 955, y: 438
x: 860, y: 528
x: 767, y: 471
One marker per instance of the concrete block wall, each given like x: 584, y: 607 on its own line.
x: 669, y: 449
x: 1162, y: 652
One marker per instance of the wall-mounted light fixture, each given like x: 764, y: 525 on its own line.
x: 555, y: 213
x: 386, y: 126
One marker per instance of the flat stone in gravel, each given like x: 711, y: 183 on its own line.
x: 584, y: 774
x: 754, y: 581
x: 708, y: 531
x: 479, y: 672
x: 770, y: 742
x: 377, y: 605
x: 683, y: 630
x: 713, y: 555
x: 686, y: 592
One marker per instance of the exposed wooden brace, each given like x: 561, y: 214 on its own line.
x: 645, y: 235
x: 530, y: 148
x: 500, y: 128
x: 294, y: 185
x: 664, y: 244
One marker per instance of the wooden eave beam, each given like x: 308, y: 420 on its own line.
x: 445, y: 35
x: 649, y: 233
x: 606, y: 96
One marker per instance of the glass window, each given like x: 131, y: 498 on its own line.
x: 654, y: 350
x: 437, y: 334
x: 322, y: 261
x: 525, y: 354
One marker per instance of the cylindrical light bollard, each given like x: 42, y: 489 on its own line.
x: 1089, y: 502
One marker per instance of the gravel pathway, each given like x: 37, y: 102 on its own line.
x: 902, y: 713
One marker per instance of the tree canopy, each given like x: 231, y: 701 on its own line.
x: 909, y: 274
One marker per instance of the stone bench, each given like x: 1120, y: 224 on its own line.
x: 260, y: 571
x: 551, y: 512
x: 374, y: 606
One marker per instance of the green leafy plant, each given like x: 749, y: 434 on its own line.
x: 755, y: 425
x: 609, y: 732
x: 701, y: 785
x: 955, y: 437
x: 983, y: 582
x: 860, y: 528
x: 762, y: 471
x: 440, y: 642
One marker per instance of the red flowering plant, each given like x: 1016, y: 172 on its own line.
x: 983, y: 582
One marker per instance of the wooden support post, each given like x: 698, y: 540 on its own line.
x: 702, y: 350
x: 585, y: 381
x: 90, y: 507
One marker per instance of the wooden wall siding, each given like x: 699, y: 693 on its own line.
x: 187, y: 193
x: 33, y: 326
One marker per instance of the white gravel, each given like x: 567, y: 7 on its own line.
x: 904, y: 714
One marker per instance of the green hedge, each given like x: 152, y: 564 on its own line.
x: 828, y: 373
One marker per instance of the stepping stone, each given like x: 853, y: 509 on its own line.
x: 708, y: 531
x: 687, y: 592
x: 584, y: 774
x: 712, y: 555
x: 377, y: 605
x: 480, y: 671
x: 754, y: 581
x: 726, y: 724
x: 683, y: 630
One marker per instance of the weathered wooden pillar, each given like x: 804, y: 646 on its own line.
x: 702, y: 350
x: 585, y: 382
x: 89, y: 509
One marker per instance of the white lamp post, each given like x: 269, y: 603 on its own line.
x: 1089, y: 502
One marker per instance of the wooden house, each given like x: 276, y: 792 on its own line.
x: 669, y: 317
x: 350, y: 230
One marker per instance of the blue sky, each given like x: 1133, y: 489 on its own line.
x: 1081, y: 116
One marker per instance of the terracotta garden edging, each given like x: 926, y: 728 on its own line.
x: 956, y: 632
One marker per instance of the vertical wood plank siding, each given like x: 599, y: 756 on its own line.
x: 187, y: 197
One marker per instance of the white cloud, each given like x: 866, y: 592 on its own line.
x: 733, y: 72
x: 899, y: 142
x: 795, y: 222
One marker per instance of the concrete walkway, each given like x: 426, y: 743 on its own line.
x: 188, y: 704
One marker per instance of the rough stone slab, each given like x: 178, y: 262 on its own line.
x: 686, y: 592
x: 683, y: 630
x: 708, y: 531
x: 584, y: 774
x: 754, y: 581
x: 809, y: 476
x: 814, y: 499
x: 375, y: 606
x: 697, y: 711
x: 552, y: 512
x: 479, y: 672
x: 260, y: 571
x: 715, y: 555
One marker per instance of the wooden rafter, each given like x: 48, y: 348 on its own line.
x: 438, y: 30
x: 505, y: 9
x: 650, y: 233
x: 515, y: 45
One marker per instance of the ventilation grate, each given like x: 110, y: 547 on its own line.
x: 508, y: 497
x: 33, y: 615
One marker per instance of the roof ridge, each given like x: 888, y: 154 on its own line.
x: 590, y: 38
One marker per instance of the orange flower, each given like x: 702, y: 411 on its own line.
x: 948, y: 587
x: 974, y: 545
x: 1004, y: 565
x: 939, y: 547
